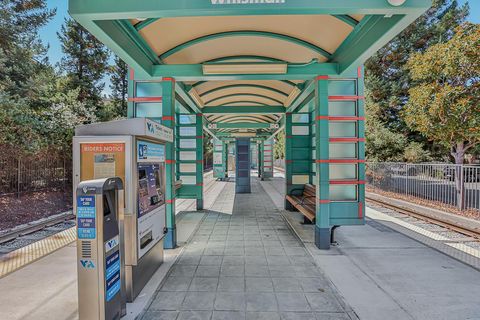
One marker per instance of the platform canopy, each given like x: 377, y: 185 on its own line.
x: 244, y: 63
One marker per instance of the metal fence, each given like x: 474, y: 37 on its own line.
x: 454, y: 185
x: 20, y: 173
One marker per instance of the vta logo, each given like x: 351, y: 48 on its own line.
x: 150, y: 127
x: 87, y: 264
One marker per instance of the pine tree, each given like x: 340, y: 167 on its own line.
x: 85, y: 63
x: 387, y: 77
x: 119, y: 86
x: 22, y: 55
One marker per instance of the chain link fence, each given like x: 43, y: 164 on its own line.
x: 457, y: 186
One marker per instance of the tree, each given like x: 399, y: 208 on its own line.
x: 387, y: 77
x: 279, y: 146
x: 119, y: 86
x: 85, y: 63
x: 22, y: 55
x: 444, y: 104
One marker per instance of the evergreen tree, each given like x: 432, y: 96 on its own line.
x: 119, y: 86
x: 22, y: 55
x: 85, y: 63
x: 387, y: 77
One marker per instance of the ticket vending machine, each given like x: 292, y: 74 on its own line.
x: 100, y: 265
x: 134, y: 150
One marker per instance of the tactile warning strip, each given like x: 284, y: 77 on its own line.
x: 19, y: 258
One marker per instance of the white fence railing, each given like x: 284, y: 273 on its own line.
x: 453, y: 185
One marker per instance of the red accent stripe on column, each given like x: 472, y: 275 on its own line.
x: 321, y: 201
x: 199, y: 137
x: 199, y: 184
x: 267, y: 151
x: 345, y: 98
x: 168, y: 79
x: 322, y: 118
x: 199, y: 114
x: 199, y: 161
x: 360, y: 210
x: 168, y: 118
x: 347, y: 182
x: 145, y: 99
x: 170, y: 161
x: 288, y: 113
x: 288, y: 137
x: 288, y: 161
x: 321, y: 78
x: 268, y: 166
x: 340, y: 161
x: 170, y: 201
x: 132, y: 74
x: 359, y: 72
x: 347, y: 139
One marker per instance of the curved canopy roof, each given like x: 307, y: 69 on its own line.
x: 275, y: 47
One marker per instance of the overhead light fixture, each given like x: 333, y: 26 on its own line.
x: 245, y: 68
x: 244, y: 134
x: 196, y: 97
x: 292, y: 96
x: 396, y: 3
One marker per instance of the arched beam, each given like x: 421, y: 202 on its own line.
x: 347, y: 19
x: 258, y: 104
x: 246, y: 33
x: 244, y: 57
x: 242, y: 95
x: 290, y: 83
x: 245, y: 117
x: 256, y: 86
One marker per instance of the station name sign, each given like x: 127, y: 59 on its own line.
x: 221, y: 2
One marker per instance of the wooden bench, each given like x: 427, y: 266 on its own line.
x: 304, y: 202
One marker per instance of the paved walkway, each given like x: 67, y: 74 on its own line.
x: 246, y: 265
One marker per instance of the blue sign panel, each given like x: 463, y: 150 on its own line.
x: 148, y: 151
x: 112, y: 275
x: 86, y: 214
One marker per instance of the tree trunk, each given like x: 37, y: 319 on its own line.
x: 458, y: 153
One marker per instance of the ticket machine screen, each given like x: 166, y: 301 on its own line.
x: 150, y: 187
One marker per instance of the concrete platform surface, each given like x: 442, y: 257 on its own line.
x: 246, y: 264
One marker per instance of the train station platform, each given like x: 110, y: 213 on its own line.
x: 244, y: 257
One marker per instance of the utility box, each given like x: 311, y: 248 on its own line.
x: 134, y: 151
x: 100, y: 267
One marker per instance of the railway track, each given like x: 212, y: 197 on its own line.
x: 35, y: 226
x: 472, y: 232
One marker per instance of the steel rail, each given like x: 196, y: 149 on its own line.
x: 465, y: 230
x: 34, y: 226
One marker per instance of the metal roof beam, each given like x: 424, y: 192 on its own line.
x: 194, y: 72
x: 128, y: 9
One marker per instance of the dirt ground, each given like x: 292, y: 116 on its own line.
x: 32, y: 206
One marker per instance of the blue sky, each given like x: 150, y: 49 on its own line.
x: 49, y: 32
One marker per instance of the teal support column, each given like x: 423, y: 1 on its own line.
x: 322, y: 177
x: 261, y: 166
x: 168, y: 119
x: 199, y: 157
x: 288, y: 158
x: 361, y: 145
x: 131, y: 93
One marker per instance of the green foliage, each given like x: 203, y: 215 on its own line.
x: 382, y: 144
x: 22, y: 55
x: 387, y: 77
x: 444, y: 103
x: 119, y: 86
x: 415, y: 153
x: 85, y: 63
x: 279, y: 146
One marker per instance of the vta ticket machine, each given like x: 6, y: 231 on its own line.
x: 100, y: 266
x: 134, y: 150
